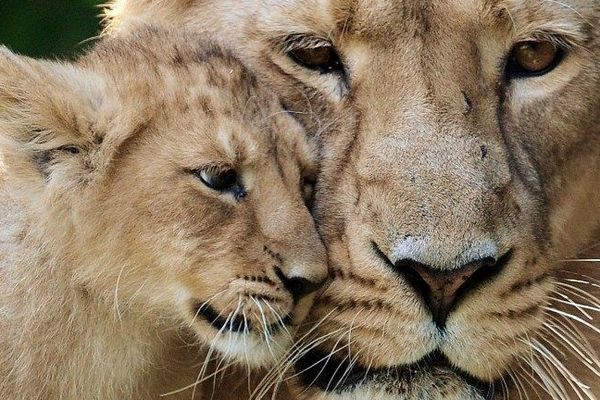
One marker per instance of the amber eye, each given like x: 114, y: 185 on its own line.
x: 322, y: 58
x: 534, y: 58
x: 226, y: 181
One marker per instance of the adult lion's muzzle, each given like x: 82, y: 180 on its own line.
x: 442, y: 290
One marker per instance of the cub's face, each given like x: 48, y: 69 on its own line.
x: 215, y: 201
x: 460, y: 148
x: 199, y: 218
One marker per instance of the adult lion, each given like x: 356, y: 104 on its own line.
x: 461, y: 150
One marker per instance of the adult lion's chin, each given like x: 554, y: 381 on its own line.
x: 336, y: 372
x: 411, y: 382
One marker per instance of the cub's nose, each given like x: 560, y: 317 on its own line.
x: 299, y: 287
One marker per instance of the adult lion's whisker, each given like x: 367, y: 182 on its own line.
x: 517, y: 384
x: 290, y: 361
x: 572, y: 317
x: 576, y: 348
x: 578, y: 387
x: 298, y: 349
x: 580, y: 293
x: 546, y: 372
x: 334, y: 350
x: 580, y: 307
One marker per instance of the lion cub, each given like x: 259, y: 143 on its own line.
x: 152, y: 220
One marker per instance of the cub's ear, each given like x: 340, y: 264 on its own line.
x: 50, y: 116
x: 125, y: 15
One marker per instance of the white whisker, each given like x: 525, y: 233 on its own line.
x: 573, y: 317
x: 116, y: 296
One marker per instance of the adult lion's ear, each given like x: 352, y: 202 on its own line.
x: 50, y: 117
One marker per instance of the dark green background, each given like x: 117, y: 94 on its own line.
x: 48, y: 28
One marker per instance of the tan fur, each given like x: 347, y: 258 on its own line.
x: 108, y: 241
x: 425, y: 141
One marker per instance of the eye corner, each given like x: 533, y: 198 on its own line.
x: 308, y: 179
x: 308, y: 184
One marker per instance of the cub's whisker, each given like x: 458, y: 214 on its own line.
x: 202, y: 305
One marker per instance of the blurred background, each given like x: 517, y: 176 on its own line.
x: 49, y: 28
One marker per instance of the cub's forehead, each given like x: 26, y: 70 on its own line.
x: 169, y: 62
x: 278, y: 137
x: 197, y: 93
x: 174, y: 72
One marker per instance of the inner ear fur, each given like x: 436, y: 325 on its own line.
x: 48, y: 111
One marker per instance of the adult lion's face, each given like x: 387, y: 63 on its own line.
x: 461, y: 146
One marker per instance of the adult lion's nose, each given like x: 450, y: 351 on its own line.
x: 441, y: 288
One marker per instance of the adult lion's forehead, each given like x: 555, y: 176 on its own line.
x: 381, y: 19
x: 386, y: 20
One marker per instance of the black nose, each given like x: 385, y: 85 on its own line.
x: 299, y: 287
x: 442, y: 290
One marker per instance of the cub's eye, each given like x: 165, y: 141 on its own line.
x: 221, y: 181
x: 322, y: 58
x: 218, y: 180
x: 534, y: 58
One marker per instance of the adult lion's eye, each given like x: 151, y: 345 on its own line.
x: 321, y: 58
x: 221, y: 181
x: 534, y: 58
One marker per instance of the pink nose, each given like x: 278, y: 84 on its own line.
x: 444, y: 285
x: 442, y: 290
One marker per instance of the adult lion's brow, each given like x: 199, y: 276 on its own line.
x: 547, y: 19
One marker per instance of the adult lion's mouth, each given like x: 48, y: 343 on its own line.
x: 330, y: 374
